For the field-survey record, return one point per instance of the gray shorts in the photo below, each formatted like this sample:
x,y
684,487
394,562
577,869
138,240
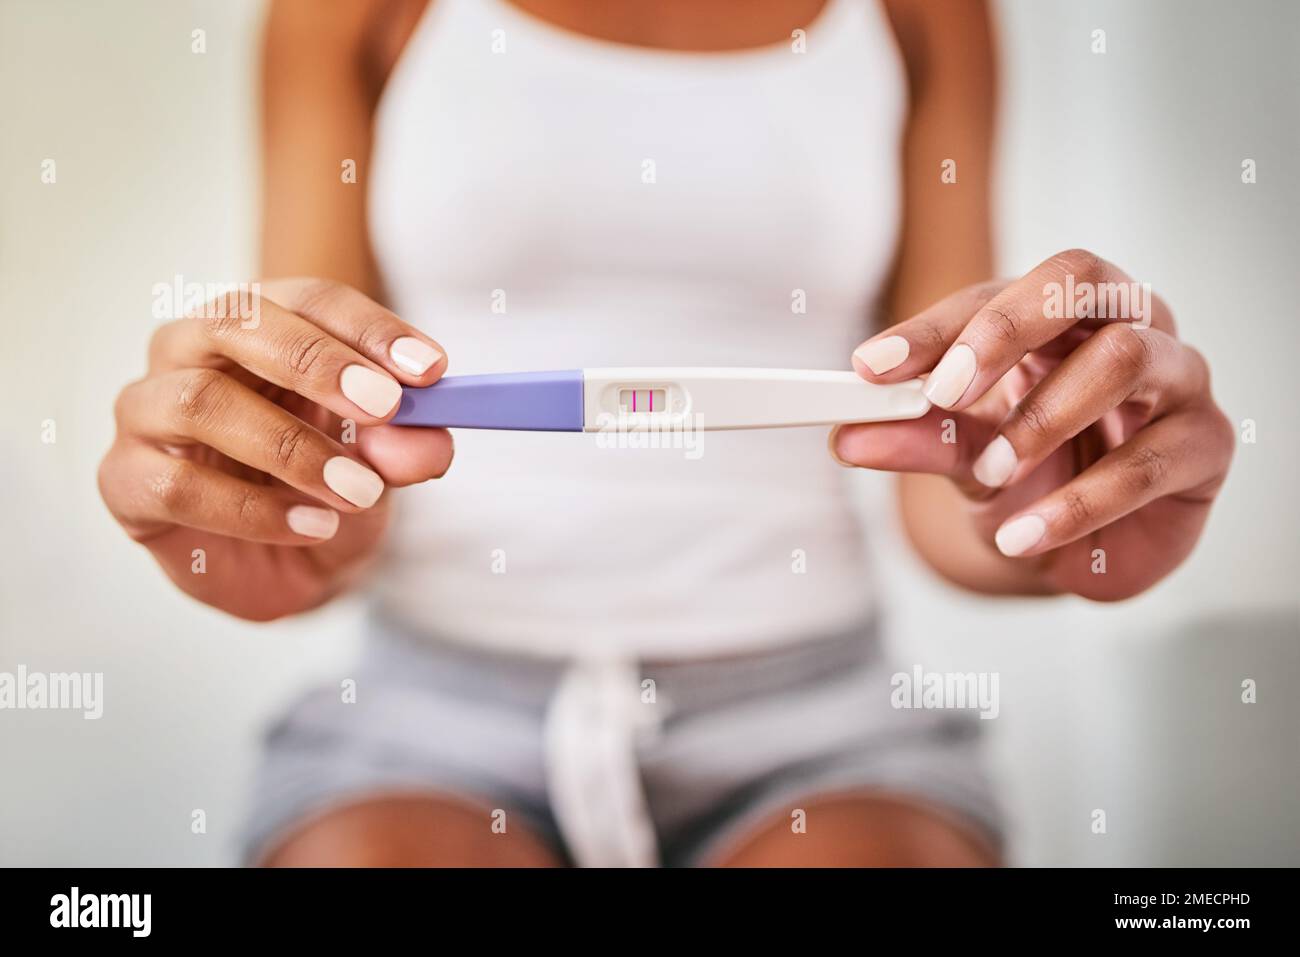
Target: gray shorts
x,y
657,763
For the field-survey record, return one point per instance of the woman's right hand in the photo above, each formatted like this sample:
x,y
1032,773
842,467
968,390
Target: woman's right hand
x,y
252,458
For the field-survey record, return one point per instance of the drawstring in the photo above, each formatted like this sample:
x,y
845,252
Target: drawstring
x,y
592,726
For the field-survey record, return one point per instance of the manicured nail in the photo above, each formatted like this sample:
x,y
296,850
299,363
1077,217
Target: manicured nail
x,y
881,355
413,355
372,391
951,377
1018,536
313,522
996,463
353,481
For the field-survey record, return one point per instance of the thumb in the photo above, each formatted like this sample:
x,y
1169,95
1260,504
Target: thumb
x,y
406,455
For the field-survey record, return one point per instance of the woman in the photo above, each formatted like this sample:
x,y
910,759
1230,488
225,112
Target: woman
x,y
603,656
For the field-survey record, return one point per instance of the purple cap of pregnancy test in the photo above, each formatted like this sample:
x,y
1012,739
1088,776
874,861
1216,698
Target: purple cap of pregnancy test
x,y
528,401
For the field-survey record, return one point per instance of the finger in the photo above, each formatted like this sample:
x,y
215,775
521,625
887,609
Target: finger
x,y
913,346
1030,313
1186,453
354,318
149,491
1118,363
211,408
938,443
405,456
285,349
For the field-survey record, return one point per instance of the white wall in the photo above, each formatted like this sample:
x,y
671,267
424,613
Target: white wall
x,y
1133,708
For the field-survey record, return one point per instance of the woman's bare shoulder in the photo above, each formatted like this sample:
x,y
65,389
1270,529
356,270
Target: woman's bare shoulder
x,y
928,30
368,35
324,66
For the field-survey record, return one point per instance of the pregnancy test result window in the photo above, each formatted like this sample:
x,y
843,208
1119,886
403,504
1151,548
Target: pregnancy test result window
x,y
641,400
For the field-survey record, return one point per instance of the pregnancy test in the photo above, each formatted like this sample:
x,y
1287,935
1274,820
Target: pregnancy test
x,y
593,400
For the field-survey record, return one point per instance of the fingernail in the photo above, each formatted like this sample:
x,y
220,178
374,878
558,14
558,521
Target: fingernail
x,y
832,443
313,522
881,355
353,481
451,438
1018,536
412,355
951,377
372,391
996,463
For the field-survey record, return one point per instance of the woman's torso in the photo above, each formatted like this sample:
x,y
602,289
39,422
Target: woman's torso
x,y
544,200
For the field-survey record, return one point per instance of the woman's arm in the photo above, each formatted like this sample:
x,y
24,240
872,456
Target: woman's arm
x,y
316,116
232,449
1074,444
947,244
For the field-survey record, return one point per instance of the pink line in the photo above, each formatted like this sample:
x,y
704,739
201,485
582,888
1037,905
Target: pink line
x,y
634,400
652,400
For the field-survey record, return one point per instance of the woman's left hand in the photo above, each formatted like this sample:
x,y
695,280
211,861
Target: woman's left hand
x,y
1080,429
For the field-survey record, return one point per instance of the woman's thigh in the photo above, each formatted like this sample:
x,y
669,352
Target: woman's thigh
x,y
859,831
409,831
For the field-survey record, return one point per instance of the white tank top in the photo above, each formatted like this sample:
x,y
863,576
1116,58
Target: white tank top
x,y
544,200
